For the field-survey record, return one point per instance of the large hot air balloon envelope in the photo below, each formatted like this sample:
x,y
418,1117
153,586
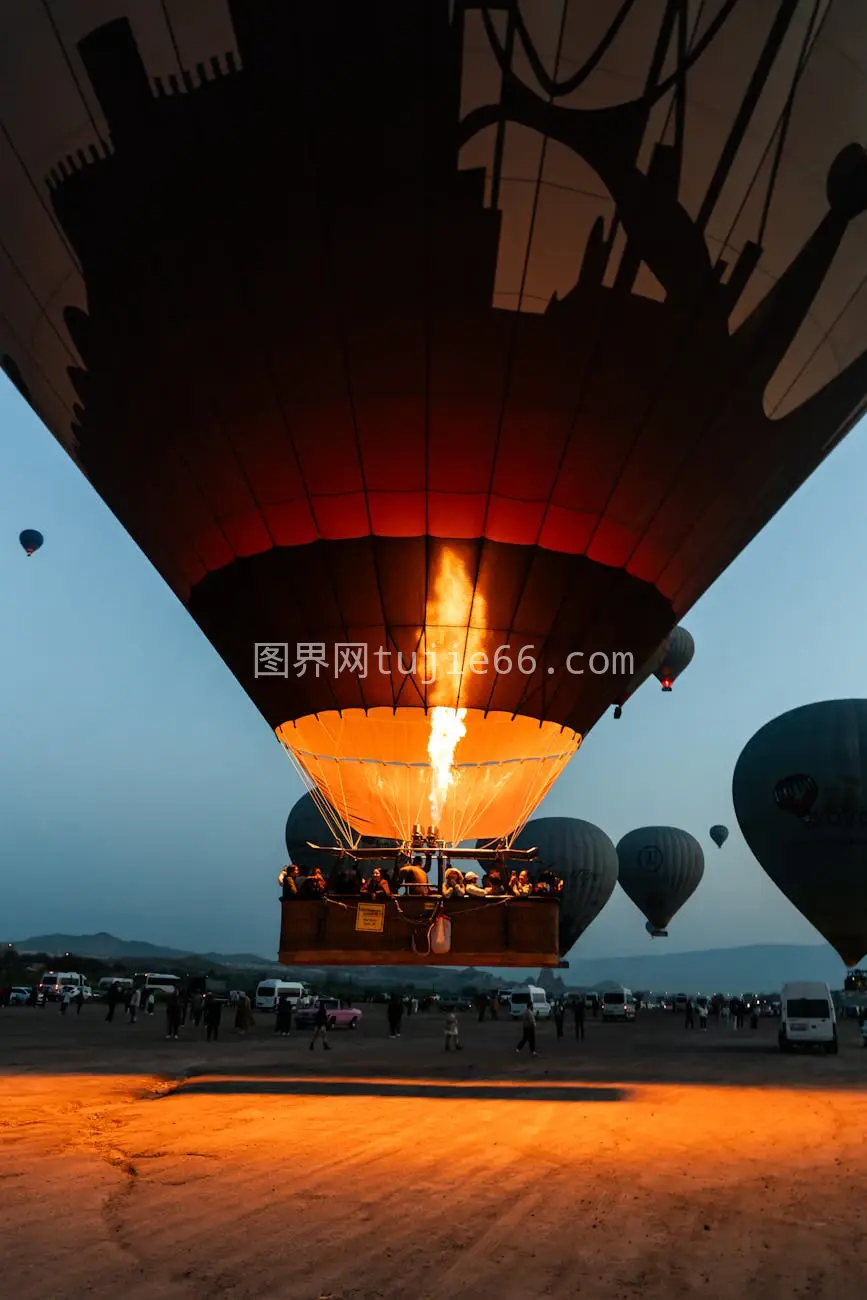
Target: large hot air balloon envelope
x,y
307,825
800,796
660,868
719,835
585,859
30,540
430,329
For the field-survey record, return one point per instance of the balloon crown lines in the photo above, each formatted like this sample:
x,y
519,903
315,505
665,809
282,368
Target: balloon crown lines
x,y
358,659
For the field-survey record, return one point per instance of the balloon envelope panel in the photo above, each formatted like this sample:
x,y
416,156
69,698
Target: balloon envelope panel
x,y
800,796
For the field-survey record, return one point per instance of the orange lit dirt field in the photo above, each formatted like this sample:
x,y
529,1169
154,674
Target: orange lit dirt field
x,y
648,1162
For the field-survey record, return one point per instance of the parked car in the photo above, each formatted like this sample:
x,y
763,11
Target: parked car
x,y
338,1017
74,989
19,997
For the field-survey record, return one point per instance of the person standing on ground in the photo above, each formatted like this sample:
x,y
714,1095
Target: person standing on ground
x,y
689,1022
113,995
529,1035
213,1011
173,1014
243,1014
133,1005
79,1001
559,1015
321,1029
452,1032
578,1013
702,1017
65,998
283,1019
395,1015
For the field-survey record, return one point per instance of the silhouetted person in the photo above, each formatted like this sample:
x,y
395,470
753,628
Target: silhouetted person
x,y
79,1001
395,1015
528,1022
213,1013
321,1028
559,1014
283,1019
112,1000
689,1022
578,1013
173,1014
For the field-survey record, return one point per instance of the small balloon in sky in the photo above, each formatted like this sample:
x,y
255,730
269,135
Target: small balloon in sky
x,y
719,835
31,540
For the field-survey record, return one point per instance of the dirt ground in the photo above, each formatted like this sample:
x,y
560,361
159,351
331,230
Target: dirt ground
x,y
648,1161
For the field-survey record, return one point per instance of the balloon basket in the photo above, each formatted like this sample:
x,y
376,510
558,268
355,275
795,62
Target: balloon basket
x,y
347,931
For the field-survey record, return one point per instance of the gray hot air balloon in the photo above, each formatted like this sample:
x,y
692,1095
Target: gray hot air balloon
x,y
666,664
719,835
679,650
585,858
800,795
305,825
660,868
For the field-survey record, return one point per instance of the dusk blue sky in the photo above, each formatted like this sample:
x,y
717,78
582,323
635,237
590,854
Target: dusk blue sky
x,y
142,793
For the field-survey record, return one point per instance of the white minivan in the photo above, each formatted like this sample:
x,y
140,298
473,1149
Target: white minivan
x,y
269,993
808,1017
618,1004
533,997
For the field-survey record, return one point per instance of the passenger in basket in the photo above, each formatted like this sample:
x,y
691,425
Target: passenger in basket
x,y
414,879
377,886
313,886
472,886
453,884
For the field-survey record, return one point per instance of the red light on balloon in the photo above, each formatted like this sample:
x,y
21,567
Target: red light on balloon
x,y
666,683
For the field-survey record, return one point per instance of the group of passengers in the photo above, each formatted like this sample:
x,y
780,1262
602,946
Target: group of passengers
x,y
411,878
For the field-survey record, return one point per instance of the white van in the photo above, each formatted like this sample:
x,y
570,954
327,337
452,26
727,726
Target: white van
x,y
531,996
269,993
618,1004
53,981
808,1017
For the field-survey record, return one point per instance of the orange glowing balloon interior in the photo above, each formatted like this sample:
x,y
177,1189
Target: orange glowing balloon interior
x,y
375,769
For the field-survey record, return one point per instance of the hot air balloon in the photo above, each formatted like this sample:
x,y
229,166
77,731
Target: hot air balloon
x,y
660,868
666,656
719,835
584,858
382,447
30,540
800,796
308,823
676,657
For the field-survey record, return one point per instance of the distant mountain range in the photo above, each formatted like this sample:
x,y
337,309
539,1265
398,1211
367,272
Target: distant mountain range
x,y
108,946
758,968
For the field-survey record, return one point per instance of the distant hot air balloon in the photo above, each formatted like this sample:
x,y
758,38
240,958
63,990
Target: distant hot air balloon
x,y
585,858
677,656
800,796
719,835
796,794
30,540
660,868
307,825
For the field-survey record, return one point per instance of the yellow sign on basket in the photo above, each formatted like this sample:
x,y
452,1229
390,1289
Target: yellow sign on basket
x,y
370,917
